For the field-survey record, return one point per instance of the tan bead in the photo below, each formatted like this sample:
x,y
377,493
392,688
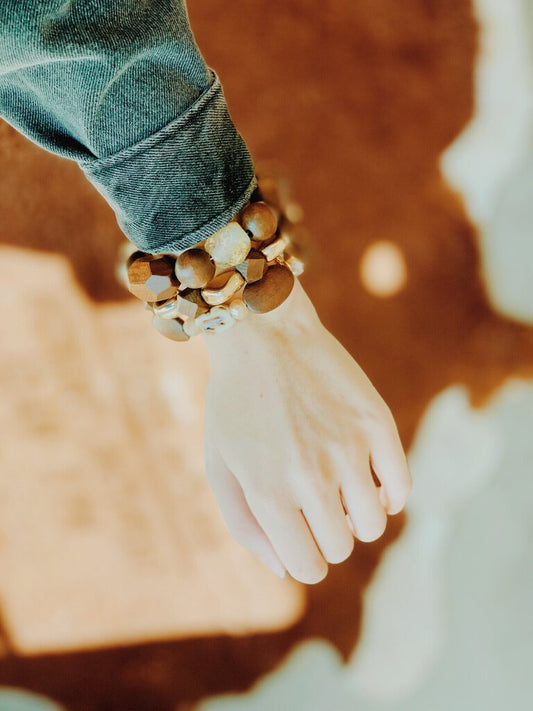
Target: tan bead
x,y
190,303
191,328
238,309
253,267
194,269
167,309
275,248
170,328
229,246
221,278
216,320
213,297
152,278
271,291
259,220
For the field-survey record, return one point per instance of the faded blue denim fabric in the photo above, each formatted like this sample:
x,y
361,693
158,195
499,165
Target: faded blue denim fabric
x,y
120,87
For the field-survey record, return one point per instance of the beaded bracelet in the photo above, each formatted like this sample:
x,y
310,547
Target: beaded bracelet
x,y
248,266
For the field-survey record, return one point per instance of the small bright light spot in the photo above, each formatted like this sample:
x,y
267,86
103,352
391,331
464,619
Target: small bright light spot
x,y
382,269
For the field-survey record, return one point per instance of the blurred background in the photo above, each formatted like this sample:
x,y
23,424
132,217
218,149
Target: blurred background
x,y
405,130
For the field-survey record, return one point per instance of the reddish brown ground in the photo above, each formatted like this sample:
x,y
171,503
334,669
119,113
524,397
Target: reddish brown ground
x,y
358,99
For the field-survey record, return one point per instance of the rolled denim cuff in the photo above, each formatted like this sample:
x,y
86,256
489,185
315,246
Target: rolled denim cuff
x,y
174,188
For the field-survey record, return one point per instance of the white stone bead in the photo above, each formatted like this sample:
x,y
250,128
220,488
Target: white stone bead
x,y
238,309
275,248
216,320
229,246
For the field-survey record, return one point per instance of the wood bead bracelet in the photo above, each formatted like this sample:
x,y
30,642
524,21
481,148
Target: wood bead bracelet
x,y
248,266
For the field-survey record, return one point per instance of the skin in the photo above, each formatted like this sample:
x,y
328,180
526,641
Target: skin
x,y
293,430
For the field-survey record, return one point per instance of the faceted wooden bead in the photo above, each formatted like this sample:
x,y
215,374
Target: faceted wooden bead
x,y
275,248
194,268
253,267
214,297
238,309
216,320
167,309
190,303
259,220
170,328
229,246
152,278
270,291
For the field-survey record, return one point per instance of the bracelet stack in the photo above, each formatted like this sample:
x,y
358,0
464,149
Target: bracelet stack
x,y
247,267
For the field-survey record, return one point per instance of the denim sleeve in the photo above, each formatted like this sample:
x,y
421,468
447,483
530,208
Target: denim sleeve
x,y
120,87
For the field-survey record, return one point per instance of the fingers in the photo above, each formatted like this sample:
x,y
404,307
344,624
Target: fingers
x,y
239,519
362,499
288,532
389,463
325,517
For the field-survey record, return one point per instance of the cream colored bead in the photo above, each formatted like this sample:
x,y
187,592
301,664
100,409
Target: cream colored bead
x,y
167,309
229,246
295,265
238,309
275,248
191,328
214,297
216,320
170,328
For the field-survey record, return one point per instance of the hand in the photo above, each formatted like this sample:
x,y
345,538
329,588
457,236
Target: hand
x,y
293,430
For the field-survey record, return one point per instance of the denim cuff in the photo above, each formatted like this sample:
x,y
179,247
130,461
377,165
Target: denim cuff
x,y
176,187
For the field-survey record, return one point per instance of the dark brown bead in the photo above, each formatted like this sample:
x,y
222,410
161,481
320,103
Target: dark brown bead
x,y
270,291
259,220
152,278
194,268
253,267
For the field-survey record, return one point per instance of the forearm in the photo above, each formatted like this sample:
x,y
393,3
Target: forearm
x,y
122,88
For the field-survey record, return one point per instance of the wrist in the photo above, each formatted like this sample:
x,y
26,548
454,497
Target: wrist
x,y
290,320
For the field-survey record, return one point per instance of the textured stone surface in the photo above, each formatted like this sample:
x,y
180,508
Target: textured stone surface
x,y
228,246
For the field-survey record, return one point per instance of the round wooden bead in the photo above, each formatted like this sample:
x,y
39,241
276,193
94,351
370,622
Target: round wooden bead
x,y
152,278
259,220
238,309
229,246
271,291
170,328
194,268
191,328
